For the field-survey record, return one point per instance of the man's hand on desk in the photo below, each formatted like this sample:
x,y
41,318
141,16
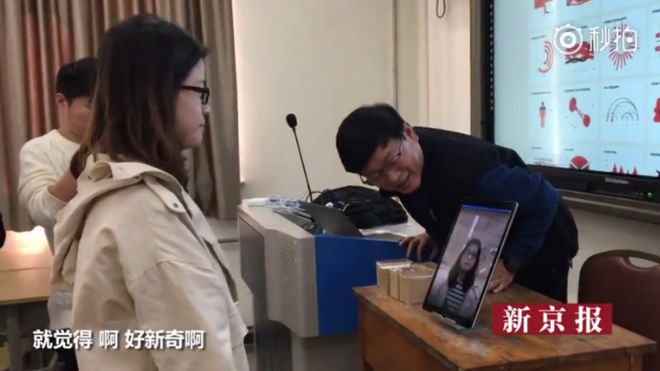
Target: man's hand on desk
x,y
420,243
502,278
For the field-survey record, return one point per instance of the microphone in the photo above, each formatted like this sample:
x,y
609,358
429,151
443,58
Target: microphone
x,y
293,122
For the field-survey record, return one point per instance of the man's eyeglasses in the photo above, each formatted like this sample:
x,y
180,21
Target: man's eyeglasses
x,y
378,176
204,91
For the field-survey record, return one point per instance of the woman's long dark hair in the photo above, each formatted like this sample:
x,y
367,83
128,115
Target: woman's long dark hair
x,y
468,278
142,62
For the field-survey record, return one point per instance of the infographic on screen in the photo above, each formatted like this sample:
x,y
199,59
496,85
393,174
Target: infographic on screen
x,y
577,83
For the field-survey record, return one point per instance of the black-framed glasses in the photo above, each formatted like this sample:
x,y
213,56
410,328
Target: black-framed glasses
x,y
204,91
378,176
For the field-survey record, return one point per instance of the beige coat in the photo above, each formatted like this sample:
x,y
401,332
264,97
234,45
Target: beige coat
x,y
143,257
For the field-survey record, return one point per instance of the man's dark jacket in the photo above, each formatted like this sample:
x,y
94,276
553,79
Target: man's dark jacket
x,y
543,238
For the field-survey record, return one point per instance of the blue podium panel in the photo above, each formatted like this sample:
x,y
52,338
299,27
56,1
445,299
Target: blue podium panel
x,y
341,264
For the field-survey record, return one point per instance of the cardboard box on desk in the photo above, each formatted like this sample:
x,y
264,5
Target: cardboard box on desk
x,y
384,268
430,265
404,280
414,282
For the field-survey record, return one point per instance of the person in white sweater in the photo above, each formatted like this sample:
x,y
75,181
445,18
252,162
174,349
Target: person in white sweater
x,y
45,182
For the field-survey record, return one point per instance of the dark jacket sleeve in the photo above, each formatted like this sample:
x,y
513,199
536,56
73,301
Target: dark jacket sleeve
x,y
537,204
437,226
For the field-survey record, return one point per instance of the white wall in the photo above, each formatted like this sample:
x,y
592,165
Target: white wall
x,y
318,59
433,79
449,66
412,82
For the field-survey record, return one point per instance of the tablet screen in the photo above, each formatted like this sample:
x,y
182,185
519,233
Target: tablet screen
x,y
475,243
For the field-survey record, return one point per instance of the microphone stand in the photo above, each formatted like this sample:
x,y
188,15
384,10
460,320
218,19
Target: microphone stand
x,y
309,189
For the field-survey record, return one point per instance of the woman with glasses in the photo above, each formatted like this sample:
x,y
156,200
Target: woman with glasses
x,y
458,293
132,244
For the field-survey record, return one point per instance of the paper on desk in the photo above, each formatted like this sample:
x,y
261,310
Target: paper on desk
x,y
383,234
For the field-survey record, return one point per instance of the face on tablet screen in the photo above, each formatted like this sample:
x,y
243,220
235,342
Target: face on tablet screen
x,y
463,273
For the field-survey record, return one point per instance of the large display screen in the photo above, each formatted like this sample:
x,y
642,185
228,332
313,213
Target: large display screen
x,y
577,83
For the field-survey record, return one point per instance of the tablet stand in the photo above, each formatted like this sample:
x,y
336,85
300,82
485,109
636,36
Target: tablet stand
x,y
460,329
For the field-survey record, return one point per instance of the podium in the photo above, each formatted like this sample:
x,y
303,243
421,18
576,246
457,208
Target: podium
x,y
305,313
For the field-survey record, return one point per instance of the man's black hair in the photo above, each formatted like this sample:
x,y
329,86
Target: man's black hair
x,y
363,131
76,79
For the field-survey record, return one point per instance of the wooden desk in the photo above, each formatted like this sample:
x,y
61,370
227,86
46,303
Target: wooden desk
x,y
24,286
25,266
25,250
396,336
